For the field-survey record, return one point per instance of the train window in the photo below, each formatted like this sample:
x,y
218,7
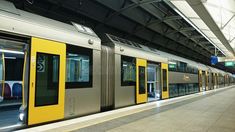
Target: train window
x,y
47,79
172,67
164,76
14,68
128,71
78,67
189,69
182,66
142,80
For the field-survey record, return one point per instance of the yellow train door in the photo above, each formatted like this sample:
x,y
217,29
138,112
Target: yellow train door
x,y
47,81
165,87
207,80
141,81
200,80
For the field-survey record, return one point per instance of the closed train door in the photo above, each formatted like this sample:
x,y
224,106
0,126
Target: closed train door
x,y
141,81
207,80
47,81
200,80
165,87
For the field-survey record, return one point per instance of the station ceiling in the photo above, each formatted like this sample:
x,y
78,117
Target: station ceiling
x,y
212,18
150,22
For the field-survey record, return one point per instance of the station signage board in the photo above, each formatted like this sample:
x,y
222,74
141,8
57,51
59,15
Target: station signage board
x,y
229,63
214,60
172,65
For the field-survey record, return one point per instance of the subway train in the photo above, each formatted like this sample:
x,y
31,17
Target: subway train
x,y
63,71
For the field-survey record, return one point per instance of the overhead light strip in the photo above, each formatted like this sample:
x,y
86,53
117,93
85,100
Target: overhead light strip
x,y
11,51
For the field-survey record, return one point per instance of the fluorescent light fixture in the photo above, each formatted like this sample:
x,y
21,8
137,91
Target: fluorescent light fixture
x,y
11,51
171,62
74,55
10,57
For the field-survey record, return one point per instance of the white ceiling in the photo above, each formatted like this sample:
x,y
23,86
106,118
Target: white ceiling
x,y
221,11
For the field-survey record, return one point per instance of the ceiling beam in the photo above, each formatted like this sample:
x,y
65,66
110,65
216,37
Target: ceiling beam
x,y
202,12
170,18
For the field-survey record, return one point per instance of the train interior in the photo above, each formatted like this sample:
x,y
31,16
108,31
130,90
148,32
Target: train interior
x,y
11,77
153,83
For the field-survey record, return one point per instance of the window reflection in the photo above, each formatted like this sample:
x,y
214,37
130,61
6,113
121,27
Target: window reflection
x,y
77,68
128,75
79,65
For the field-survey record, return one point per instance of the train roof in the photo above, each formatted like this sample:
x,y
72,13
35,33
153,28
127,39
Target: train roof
x,y
130,48
24,23
168,56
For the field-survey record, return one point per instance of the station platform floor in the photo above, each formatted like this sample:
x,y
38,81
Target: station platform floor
x,y
210,111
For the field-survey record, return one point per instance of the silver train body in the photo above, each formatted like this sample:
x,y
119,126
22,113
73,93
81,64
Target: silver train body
x,y
107,90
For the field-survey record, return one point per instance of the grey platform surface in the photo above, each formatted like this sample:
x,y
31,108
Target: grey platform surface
x,y
214,112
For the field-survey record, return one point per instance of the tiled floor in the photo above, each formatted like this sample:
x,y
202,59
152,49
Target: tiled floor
x,y
211,113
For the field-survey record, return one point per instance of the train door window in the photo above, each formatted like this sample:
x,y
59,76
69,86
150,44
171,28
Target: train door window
x,y
47,79
78,67
141,80
128,71
164,75
212,80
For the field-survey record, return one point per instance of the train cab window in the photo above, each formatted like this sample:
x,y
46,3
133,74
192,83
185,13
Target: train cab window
x,y
47,79
78,67
128,71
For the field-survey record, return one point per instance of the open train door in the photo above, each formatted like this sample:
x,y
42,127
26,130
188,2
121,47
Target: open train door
x,y
141,81
165,87
47,81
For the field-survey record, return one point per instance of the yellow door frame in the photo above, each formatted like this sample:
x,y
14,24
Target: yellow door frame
x,y
3,74
23,79
165,91
41,114
141,98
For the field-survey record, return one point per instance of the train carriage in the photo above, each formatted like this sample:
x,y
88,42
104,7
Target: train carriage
x,y
136,74
52,71
61,68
